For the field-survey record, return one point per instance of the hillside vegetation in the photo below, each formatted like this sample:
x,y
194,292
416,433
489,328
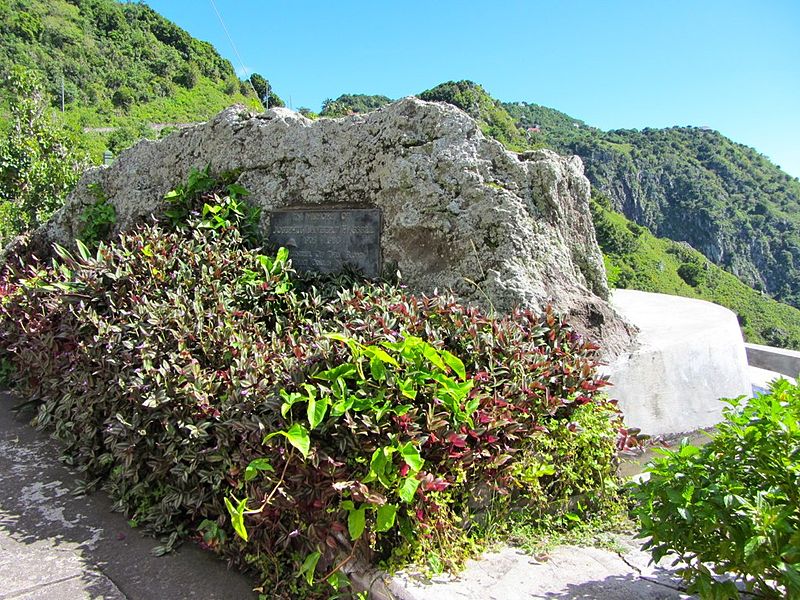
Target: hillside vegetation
x,y
123,66
691,184
636,259
348,104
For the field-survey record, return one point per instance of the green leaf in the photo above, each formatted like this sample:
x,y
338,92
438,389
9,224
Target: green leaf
x,y
411,455
297,435
343,371
282,256
299,438
289,400
432,354
374,352
316,411
472,405
83,251
407,388
408,489
338,337
688,450
377,368
752,545
341,406
354,346
454,363
385,517
378,464
237,516
259,464
338,580
309,566
356,522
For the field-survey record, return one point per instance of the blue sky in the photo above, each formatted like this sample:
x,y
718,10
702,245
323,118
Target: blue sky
x,y
731,65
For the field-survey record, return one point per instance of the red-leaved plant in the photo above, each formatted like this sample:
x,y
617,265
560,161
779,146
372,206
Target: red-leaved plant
x,y
210,390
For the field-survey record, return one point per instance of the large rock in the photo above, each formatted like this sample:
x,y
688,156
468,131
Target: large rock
x,y
459,211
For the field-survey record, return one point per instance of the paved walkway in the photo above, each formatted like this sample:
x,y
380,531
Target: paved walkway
x,y
58,546
567,572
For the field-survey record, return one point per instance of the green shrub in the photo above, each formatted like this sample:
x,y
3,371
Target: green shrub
x,y
215,395
97,219
733,504
38,166
692,273
613,238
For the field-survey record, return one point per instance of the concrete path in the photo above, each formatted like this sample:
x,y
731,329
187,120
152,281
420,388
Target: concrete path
x,y
567,572
58,546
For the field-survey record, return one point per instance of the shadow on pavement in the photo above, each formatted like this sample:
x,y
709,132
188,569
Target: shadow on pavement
x,y
56,545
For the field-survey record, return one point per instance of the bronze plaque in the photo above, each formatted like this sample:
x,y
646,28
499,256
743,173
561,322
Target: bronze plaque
x,y
326,240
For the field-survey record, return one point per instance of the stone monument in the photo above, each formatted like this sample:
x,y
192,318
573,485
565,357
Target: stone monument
x,y
413,187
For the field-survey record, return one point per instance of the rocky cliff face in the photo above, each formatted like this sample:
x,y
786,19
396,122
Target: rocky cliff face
x,y
459,211
696,186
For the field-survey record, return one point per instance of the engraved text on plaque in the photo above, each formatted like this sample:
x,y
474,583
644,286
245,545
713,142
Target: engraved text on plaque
x,y
326,240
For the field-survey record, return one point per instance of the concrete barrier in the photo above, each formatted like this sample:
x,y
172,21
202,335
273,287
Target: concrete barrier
x,y
690,354
780,360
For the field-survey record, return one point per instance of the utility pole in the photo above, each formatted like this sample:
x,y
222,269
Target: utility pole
x,y
62,92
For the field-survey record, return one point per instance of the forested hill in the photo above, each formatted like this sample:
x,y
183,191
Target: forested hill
x,y
122,64
690,184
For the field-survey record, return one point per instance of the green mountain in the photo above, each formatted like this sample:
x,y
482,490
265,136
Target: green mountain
x,y
122,65
636,259
690,184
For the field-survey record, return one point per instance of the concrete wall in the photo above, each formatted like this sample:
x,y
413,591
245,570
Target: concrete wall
x,y
780,360
690,354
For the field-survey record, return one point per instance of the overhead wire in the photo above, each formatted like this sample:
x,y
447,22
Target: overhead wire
x,y
244,69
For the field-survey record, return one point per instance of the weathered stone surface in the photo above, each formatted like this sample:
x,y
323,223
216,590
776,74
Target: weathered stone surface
x,y
459,211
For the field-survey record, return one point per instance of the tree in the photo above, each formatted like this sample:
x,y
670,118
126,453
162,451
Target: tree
x,y
262,88
38,166
264,91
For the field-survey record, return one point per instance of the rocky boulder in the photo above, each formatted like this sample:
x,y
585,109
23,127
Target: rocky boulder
x,y
459,212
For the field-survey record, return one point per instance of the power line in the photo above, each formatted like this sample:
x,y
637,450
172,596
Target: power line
x,y
235,51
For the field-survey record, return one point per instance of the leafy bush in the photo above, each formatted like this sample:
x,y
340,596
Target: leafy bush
x,y
97,219
216,395
733,504
693,273
612,237
37,164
